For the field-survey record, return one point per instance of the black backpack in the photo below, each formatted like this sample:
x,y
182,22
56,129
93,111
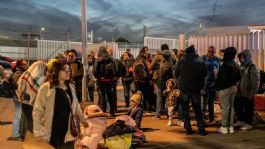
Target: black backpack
x,y
7,88
165,70
261,89
108,68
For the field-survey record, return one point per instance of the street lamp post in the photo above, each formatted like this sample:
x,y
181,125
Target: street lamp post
x,y
41,32
84,51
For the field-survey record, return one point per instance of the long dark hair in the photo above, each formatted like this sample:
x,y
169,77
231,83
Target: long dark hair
x,y
53,74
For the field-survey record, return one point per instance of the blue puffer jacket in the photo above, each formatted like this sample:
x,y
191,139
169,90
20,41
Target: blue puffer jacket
x,y
137,115
211,64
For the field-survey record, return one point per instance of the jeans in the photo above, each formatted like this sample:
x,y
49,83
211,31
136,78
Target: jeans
x,y
244,108
78,87
227,98
208,100
196,105
145,88
106,92
16,118
160,100
180,111
127,89
91,93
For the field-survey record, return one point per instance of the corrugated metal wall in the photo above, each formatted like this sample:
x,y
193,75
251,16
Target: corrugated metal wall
x,y
255,41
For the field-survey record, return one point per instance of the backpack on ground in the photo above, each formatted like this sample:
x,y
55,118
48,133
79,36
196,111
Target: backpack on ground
x,y
139,71
165,70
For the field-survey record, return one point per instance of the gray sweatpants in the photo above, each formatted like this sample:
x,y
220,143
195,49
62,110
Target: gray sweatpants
x,y
227,98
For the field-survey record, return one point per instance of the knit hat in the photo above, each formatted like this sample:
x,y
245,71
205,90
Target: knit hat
x,y
137,97
127,119
93,111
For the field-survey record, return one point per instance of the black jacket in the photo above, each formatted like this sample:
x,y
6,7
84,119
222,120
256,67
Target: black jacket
x,y
128,75
190,73
228,75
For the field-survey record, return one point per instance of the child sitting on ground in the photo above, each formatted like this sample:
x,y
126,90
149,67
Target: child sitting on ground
x,y
171,94
135,110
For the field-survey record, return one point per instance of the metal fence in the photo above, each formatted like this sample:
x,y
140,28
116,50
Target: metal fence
x,y
155,43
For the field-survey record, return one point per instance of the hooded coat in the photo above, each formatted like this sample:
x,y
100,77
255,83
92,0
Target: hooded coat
x,y
229,73
250,76
190,71
30,82
171,95
164,54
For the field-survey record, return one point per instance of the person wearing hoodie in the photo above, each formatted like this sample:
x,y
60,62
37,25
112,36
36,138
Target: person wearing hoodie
x,y
227,78
105,71
190,72
247,88
171,94
161,57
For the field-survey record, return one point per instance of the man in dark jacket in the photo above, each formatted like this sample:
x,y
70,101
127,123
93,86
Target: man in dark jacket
x,y
104,70
165,54
190,73
248,86
77,72
227,79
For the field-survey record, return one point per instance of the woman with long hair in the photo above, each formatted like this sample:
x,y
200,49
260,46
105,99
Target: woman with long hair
x,y
55,101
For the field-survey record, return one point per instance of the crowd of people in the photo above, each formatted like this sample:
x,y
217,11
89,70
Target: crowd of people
x,y
47,96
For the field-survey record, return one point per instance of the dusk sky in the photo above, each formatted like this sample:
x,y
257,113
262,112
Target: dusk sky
x,y
163,18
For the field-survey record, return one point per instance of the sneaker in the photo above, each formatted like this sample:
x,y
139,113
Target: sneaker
x,y
231,129
170,123
189,132
202,132
238,124
157,117
246,127
13,138
223,130
181,124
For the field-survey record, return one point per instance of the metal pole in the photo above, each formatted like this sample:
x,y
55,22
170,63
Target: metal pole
x,y
84,51
29,42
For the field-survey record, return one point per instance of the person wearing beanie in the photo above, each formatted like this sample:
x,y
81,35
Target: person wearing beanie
x,y
136,111
190,73
161,58
171,94
227,78
248,87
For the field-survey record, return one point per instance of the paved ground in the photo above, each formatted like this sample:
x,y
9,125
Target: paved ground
x,y
158,134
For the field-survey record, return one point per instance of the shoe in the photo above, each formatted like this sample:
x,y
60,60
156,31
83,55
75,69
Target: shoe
x,y
189,132
238,124
157,117
246,127
231,129
203,132
14,138
149,113
223,130
170,123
